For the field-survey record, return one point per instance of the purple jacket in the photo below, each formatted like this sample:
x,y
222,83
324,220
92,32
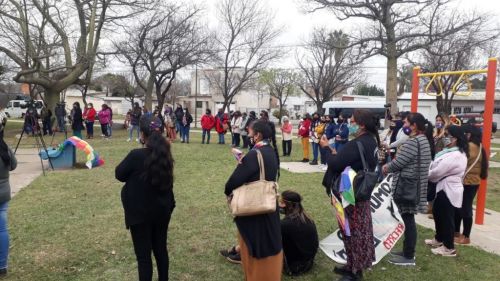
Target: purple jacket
x,y
104,116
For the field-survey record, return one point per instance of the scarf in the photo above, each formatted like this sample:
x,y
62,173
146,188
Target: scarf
x,y
260,144
446,150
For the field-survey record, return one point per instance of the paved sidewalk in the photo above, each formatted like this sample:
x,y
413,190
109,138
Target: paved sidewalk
x,y
299,167
28,169
483,236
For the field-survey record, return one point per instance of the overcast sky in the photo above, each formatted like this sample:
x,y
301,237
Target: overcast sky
x,y
298,24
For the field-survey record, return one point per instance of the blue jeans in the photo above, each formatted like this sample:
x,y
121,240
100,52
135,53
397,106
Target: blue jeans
x,y
221,138
185,133
205,133
90,128
60,124
178,127
131,131
110,129
4,235
315,148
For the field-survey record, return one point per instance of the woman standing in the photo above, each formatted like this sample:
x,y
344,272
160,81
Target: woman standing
x,y
304,128
447,170
8,163
235,128
89,116
77,120
104,118
259,235
359,246
405,165
244,133
314,139
286,132
341,132
187,119
220,125
148,198
439,131
477,169
134,122
207,123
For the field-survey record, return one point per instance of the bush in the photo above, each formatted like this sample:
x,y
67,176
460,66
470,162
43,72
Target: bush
x,y
276,113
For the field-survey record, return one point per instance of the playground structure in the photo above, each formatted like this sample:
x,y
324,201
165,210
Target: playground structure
x,y
64,156
491,73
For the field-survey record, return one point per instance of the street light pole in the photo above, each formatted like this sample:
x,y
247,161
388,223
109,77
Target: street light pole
x,y
196,97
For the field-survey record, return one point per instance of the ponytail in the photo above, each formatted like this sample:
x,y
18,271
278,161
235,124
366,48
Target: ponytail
x,y
484,165
429,134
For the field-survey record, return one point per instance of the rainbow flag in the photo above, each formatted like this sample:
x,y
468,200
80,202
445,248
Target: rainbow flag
x,y
93,159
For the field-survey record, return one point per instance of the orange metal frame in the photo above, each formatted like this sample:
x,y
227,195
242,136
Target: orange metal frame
x,y
489,102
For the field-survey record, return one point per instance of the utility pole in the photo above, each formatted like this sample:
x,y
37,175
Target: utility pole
x,y
196,97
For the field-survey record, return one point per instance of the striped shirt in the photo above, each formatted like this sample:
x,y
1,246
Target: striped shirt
x,y
405,164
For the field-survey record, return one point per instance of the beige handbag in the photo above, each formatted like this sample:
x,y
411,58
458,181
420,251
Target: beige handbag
x,y
255,198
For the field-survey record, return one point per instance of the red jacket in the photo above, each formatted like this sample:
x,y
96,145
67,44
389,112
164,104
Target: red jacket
x,y
89,114
219,124
207,122
304,128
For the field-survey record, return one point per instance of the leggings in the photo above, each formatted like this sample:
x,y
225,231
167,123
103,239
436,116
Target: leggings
x,y
444,219
149,237
465,213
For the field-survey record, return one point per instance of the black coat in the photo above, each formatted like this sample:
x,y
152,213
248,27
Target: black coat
x,y
349,156
142,202
77,119
262,233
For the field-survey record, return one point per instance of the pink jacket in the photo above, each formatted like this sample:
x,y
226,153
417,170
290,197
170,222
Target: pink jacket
x,y
447,170
104,116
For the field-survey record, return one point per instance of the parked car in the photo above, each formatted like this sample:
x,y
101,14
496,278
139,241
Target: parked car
x,y
476,119
17,108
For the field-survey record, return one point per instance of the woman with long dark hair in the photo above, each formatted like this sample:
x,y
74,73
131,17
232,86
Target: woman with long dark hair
x,y
405,165
447,170
148,198
359,245
477,169
77,120
8,163
299,234
442,123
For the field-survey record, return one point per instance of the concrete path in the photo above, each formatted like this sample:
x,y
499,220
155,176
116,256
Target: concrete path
x,y
483,236
299,167
28,169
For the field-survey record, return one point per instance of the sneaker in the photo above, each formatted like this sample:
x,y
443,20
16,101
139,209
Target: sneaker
x,y
445,252
320,166
433,242
325,167
402,261
137,140
3,273
226,253
236,258
128,140
304,160
399,254
314,162
462,241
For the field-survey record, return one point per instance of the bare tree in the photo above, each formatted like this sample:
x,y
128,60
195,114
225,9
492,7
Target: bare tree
x,y
53,43
244,40
465,49
329,67
281,85
167,41
398,27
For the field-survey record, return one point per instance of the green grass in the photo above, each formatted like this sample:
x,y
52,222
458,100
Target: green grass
x,y
69,225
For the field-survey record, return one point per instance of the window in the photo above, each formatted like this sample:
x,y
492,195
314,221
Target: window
x,y
199,104
468,109
496,110
16,104
296,107
457,110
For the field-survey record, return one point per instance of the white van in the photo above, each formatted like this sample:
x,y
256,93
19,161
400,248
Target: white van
x,y
336,108
17,108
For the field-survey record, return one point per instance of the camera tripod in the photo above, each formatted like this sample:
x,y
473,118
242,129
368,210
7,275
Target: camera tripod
x,y
32,121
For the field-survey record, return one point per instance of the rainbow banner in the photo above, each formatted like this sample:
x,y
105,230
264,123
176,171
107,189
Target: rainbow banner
x,y
93,159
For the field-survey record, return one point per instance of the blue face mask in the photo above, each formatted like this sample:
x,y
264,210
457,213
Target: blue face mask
x,y
353,129
407,130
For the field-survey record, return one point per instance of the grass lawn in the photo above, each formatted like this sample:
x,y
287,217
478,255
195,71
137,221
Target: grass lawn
x,y
69,225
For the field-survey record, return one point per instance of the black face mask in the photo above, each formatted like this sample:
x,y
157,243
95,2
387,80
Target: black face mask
x,y
282,211
207,113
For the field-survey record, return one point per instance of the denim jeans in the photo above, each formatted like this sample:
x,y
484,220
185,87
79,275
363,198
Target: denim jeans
x,y
131,131
110,130
205,133
60,124
4,235
221,138
236,140
315,148
185,133
90,128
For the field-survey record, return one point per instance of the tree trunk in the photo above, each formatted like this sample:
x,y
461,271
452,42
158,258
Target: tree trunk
x,y
440,104
319,107
392,81
148,97
51,98
281,111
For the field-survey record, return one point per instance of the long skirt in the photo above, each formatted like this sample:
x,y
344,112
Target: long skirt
x,y
266,269
359,246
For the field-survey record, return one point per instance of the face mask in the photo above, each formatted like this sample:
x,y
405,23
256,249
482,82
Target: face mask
x,y
340,121
446,141
392,127
282,210
439,125
207,113
398,123
407,130
353,129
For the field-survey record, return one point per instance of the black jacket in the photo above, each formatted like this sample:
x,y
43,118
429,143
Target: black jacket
x,y
77,119
349,156
300,241
142,202
179,113
262,233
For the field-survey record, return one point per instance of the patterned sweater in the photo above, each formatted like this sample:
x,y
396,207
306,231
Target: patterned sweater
x,y
405,164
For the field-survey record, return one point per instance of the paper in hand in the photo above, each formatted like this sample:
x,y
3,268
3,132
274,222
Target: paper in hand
x,y
238,154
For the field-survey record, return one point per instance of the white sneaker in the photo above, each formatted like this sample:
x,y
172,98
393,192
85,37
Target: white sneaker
x,y
433,242
445,252
128,140
325,168
321,166
137,140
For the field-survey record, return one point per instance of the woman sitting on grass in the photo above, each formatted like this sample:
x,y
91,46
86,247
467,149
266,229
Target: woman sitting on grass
x,y
148,198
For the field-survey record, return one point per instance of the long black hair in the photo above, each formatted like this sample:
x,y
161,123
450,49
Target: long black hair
x,y
476,138
293,206
159,164
458,133
4,151
423,126
370,121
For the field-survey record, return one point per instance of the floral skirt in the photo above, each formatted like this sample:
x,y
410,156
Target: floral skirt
x,y
359,246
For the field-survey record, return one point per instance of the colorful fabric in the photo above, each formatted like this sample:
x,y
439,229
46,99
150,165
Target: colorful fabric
x,y
341,218
93,159
346,187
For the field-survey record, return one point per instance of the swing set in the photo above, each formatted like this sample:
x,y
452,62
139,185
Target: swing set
x,y
491,73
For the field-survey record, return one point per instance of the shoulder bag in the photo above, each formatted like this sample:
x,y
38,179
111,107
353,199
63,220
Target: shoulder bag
x,y
407,189
365,180
255,198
